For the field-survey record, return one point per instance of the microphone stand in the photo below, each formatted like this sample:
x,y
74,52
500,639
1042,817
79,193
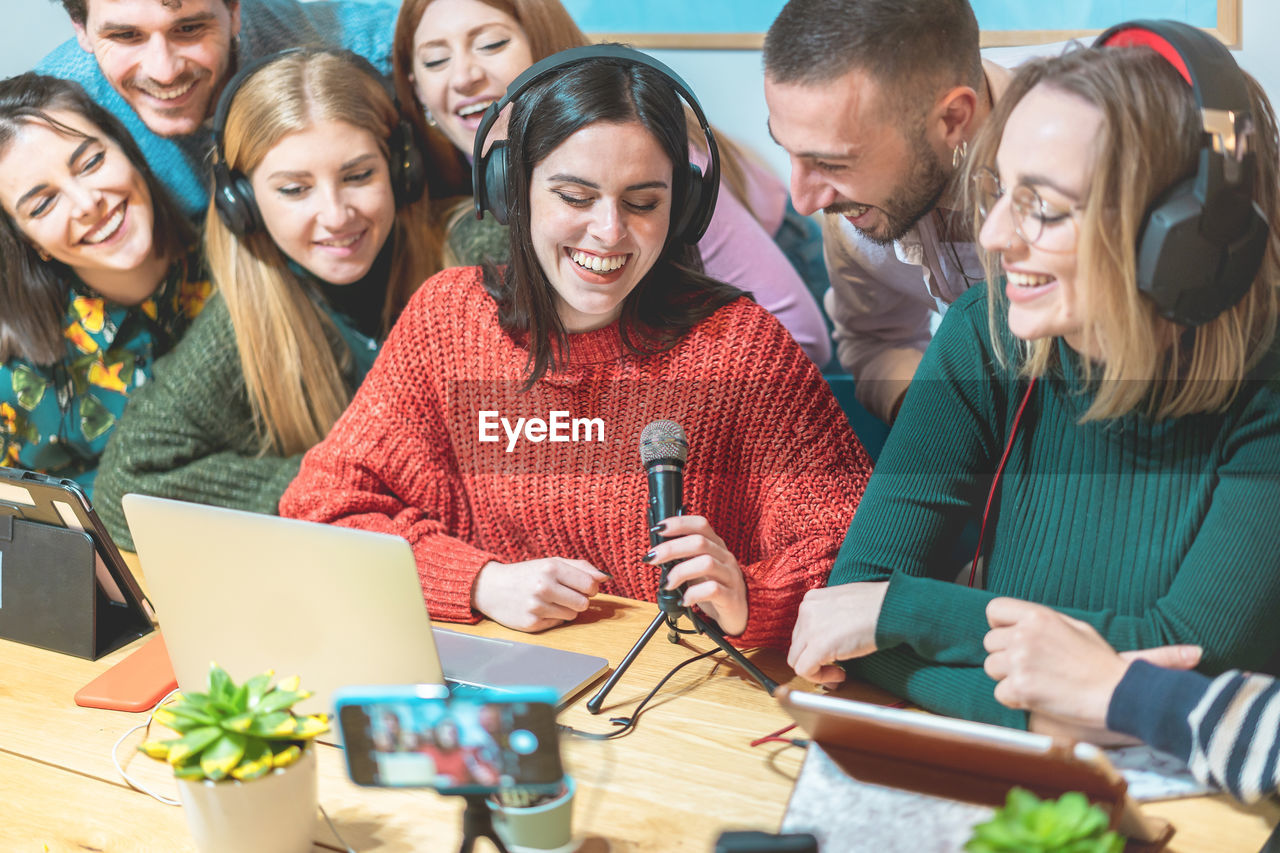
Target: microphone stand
x,y
669,611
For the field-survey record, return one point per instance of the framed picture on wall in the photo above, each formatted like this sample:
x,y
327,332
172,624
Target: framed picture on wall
x,y
741,24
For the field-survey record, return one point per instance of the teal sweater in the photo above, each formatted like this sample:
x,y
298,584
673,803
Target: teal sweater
x,y
188,434
1153,531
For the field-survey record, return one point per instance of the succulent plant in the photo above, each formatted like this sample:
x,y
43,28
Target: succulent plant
x,y
1028,824
240,731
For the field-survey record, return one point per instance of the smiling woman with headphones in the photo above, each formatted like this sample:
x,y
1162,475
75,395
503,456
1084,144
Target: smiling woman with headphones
x,y
498,430
318,234
1110,407
453,58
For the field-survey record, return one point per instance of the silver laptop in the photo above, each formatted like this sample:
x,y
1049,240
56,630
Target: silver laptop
x,y
332,605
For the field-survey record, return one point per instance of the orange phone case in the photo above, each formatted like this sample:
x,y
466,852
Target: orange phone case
x,y
134,684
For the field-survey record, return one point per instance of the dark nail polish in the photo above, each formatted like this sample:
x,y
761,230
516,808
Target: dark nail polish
x,y
660,527
649,557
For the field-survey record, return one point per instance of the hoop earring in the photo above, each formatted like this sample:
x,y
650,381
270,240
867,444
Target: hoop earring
x,y
959,153
44,256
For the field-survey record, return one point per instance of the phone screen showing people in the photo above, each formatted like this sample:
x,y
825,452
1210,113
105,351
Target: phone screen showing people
x,y
478,743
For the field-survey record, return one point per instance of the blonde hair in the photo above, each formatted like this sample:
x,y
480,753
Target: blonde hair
x,y
284,338
1150,140
549,28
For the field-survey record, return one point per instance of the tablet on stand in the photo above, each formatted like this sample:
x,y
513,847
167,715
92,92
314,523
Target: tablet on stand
x,y
63,583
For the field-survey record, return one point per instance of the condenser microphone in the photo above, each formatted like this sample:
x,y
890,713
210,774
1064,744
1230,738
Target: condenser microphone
x,y
663,450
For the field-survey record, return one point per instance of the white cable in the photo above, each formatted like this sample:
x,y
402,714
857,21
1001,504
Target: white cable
x,y
335,832
115,757
169,801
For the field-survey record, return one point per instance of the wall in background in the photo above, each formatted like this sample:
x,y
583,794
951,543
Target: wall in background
x,y
728,82
30,34
721,77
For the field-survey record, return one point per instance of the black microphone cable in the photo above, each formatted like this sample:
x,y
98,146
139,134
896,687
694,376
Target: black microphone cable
x,y
628,724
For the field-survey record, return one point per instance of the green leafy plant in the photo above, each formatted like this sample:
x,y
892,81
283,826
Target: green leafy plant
x,y
240,731
1028,824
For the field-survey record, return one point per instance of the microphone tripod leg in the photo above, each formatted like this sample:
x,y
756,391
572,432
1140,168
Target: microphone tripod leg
x,y
703,626
713,631
594,703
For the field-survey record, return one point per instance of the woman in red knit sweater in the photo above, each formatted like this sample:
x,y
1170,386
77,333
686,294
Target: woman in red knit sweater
x,y
497,431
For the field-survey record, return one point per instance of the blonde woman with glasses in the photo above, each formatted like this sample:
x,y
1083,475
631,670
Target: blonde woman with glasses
x,y
1125,466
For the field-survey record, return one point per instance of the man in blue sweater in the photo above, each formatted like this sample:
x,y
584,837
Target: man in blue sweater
x,y
159,65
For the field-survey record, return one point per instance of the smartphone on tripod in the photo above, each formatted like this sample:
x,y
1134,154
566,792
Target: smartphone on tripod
x,y
476,742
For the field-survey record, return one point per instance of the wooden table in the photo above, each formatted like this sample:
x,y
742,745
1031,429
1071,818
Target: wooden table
x,y
685,775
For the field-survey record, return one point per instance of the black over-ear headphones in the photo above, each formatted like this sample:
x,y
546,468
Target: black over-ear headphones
x,y
232,192
489,172
1202,241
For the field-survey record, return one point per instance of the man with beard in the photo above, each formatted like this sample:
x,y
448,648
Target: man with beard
x,y
159,65
875,101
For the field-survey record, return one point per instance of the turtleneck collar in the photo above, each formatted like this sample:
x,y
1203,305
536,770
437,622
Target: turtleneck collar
x,y
595,347
362,300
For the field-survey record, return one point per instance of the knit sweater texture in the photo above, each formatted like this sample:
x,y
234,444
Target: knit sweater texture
x,y
266,27
1153,531
189,434
772,462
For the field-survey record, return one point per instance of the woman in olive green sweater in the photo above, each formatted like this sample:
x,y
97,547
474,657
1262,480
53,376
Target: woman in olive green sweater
x,y
1142,478
188,434
316,237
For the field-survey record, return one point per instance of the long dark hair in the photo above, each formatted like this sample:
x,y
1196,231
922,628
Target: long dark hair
x,y
34,292
675,295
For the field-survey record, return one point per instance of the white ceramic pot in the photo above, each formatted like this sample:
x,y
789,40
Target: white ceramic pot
x,y
273,814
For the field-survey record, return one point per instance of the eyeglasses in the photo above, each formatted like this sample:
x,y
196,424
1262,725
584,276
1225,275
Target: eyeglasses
x,y
1032,216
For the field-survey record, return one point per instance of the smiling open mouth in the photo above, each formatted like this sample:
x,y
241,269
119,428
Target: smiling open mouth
x,y
343,242
595,263
473,109
850,209
167,93
1022,279
106,229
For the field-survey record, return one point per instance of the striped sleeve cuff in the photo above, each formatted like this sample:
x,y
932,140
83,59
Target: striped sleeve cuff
x,y
1234,730
1152,704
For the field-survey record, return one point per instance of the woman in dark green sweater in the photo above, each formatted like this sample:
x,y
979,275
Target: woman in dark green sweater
x,y
1142,479
316,238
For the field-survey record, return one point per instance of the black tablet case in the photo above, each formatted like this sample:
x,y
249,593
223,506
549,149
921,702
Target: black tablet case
x,y
49,596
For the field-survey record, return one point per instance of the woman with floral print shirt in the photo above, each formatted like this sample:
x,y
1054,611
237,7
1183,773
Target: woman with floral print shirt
x,y
97,277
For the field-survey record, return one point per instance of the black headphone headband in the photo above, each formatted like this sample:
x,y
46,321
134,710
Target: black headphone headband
x,y
233,195
249,69
489,196
1203,240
